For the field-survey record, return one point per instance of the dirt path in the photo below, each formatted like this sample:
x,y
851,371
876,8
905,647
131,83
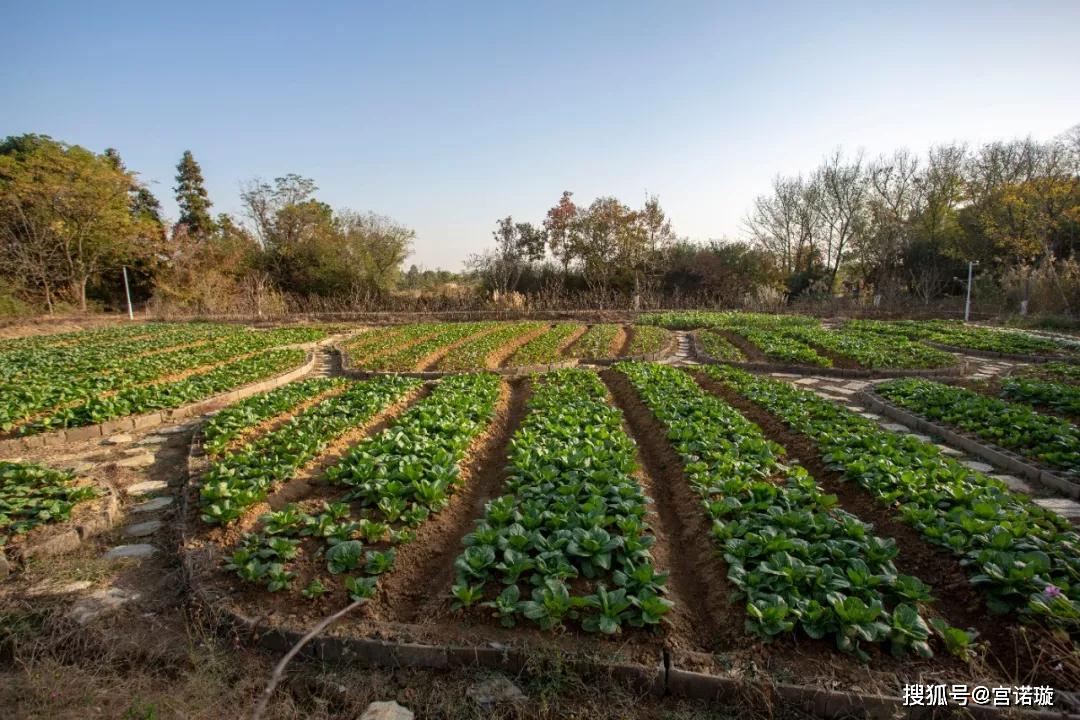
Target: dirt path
x,y
424,569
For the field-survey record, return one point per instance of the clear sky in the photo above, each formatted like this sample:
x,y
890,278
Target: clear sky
x,y
449,115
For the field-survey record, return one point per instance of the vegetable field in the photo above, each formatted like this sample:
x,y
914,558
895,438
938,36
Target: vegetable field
x,y
595,503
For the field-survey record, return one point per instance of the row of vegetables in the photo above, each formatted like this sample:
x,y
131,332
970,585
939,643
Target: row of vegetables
x,y
32,495
393,481
569,540
797,560
1025,558
477,352
873,344
1014,426
34,396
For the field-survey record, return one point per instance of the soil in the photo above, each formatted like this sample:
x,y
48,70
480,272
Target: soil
x,y
838,360
424,568
959,602
273,423
432,359
562,352
623,340
501,357
750,350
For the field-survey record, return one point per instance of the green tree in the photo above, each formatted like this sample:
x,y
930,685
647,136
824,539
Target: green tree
x,y
72,206
192,198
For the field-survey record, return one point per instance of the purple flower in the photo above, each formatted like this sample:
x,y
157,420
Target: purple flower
x,y
1052,591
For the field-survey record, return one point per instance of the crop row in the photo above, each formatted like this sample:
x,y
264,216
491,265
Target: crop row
x,y
473,354
1056,395
1025,558
716,346
964,336
573,512
796,559
235,420
33,395
1014,426
158,396
408,358
647,339
384,339
397,478
545,348
31,495
597,342
873,351
88,357
244,478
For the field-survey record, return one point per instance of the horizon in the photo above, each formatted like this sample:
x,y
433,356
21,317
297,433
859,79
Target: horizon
x,y
447,120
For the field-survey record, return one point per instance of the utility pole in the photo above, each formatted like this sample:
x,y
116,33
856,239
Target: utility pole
x,y
127,291
967,303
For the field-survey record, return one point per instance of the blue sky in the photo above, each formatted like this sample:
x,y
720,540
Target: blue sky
x,y
447,116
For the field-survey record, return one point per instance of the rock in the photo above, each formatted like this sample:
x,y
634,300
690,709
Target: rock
x,y
74,587
946,450
977,466
153,440
895,427
386,710
153,505
173,430
494,691
99,604
5,566
141,460
1068,509
919,437
138,551
146,487
118,439
80,466
1015,484
143,529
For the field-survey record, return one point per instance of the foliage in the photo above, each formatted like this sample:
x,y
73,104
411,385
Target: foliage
x,y
597,342
573,512
1015,426
32,495
546,347
1025,558
798,561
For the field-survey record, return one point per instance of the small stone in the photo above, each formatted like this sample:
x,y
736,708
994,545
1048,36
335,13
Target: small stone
x,y
121,552
143,529
99,604
853,408
386,710
142,460
74,587
895,427
146,487
806,381
118,439
870,415
494,691
153,504
173,430
1068,509
80,466
920,437
946,450
977,466
1015,484
153,440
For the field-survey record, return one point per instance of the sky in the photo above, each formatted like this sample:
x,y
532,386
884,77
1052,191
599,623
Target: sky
x,y
448,116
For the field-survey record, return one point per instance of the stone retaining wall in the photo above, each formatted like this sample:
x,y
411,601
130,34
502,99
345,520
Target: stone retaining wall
x,y
999,457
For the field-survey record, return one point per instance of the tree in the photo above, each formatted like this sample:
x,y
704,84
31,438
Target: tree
x,y
563,227
192,198
70,207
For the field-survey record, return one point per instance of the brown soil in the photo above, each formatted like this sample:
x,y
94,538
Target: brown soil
x,y
424,568
838,360
564,348
273,423
698,581
361,360
750,350
501,357
623,340
959,602
304,482
432,359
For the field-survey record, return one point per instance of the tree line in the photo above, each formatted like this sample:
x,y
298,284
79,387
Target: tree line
x,y
905,224
70,219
